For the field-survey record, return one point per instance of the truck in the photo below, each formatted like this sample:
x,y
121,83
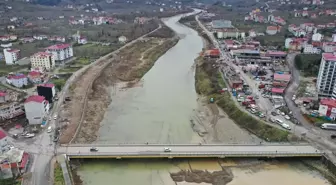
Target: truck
x,y
328,126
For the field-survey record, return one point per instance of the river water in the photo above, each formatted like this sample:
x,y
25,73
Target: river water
x,y
158,111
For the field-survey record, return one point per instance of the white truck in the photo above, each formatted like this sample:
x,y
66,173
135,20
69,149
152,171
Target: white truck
x,y
328,126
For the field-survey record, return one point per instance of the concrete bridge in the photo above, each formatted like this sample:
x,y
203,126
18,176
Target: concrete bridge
x,y
189,151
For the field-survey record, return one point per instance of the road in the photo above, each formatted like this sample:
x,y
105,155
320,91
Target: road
x,y
315,136
42,147
230,150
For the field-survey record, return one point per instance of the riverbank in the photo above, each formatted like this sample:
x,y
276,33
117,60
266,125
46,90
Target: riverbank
x,y
131,65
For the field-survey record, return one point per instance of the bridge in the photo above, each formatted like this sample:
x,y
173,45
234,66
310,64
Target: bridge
x,y
188,151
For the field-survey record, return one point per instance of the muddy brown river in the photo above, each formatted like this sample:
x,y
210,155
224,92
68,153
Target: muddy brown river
x,y
158,110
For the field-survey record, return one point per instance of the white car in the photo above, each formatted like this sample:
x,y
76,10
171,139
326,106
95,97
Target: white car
x,y
55,117
167,150
287,117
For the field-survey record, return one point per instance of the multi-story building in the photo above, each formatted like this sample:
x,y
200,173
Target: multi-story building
x,y
36,108
61,52
35,77
43,60
11,110
48,91
11,55
18,80
327,75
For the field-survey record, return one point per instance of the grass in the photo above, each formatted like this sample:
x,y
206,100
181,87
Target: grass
x,y
5,69
93,50
58,175
69,69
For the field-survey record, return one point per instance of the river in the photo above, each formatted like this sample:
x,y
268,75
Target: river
x,y
159,111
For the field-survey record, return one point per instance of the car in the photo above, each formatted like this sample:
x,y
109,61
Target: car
x,y
49,129
29,135
333,136
55,117
93,149
272,120
167,149
273,113
287,117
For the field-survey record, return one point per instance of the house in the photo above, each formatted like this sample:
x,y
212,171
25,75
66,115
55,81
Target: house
x,y
11,110
277,91
317,37
60,52
82,40
43,60
122,39
13,162
327,107
3,141
11,55
37,107
329,47
212,53
48,91
310,49
18,80
35,77
252,33
235,82
271,30
220,24
305,13
4,97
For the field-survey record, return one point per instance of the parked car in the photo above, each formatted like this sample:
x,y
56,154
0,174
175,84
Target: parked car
x,y
272,120
274,113
287,117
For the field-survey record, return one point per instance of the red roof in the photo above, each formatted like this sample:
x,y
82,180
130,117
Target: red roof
x,y
2,134
24,160
276,53
18,76
329,57
278,90
3,94
34,73
13,50
47,85
272,28
35,98
42,54
328,102
282,77
59,46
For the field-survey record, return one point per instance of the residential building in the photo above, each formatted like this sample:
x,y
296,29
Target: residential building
x,y
11,55
276,54
35,77
317,37
9,111
329,47
271,30
36,107
310,49
327,75
327,108
281,80
18,80
252,33
48,91
220,24
61,52
334,37
3,141
13,162
43,60
4,97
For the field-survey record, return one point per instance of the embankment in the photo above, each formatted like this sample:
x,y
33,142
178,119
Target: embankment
x,y
130,66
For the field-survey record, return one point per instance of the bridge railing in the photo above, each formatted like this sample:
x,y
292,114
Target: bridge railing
x,y
162,144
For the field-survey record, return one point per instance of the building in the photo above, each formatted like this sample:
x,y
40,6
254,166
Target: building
x,y
13,162
271,30
212,53
122,39
327,75
281,80
317,37
18,80
277,91
276,54
61,52
36,107
48,91
220,24
327,108
3,141
329,47
35,77
4,97
11,55
43,60
9,111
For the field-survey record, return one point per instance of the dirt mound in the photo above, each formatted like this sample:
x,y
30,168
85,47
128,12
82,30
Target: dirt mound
x,y
198,176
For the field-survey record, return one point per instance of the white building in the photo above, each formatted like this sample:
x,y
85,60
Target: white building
x,y
43,60
122,39
3,141
334,37
18,80
327,75
317,37
287,42
11,55
310,49
36,107
61,52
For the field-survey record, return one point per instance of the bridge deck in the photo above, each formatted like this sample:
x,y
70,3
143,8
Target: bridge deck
x,y
148,151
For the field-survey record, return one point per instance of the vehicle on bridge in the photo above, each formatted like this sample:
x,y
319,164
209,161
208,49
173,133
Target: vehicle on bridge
x,y
167,150
93,149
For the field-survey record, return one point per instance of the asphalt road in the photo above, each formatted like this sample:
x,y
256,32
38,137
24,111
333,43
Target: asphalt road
x,y
201,149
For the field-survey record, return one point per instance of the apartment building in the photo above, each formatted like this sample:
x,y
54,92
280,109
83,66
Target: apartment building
x,y
43,60
11,55
60,52
326,78
11,110
36,108
18,80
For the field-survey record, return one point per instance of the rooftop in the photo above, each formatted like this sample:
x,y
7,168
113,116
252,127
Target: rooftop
x,y
59,46
282,77
276,53
14,155
47,85
17,76
35,98
329,56
328,102
278,90
272,28
34,73
2,94
2,134
217,24
42,54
